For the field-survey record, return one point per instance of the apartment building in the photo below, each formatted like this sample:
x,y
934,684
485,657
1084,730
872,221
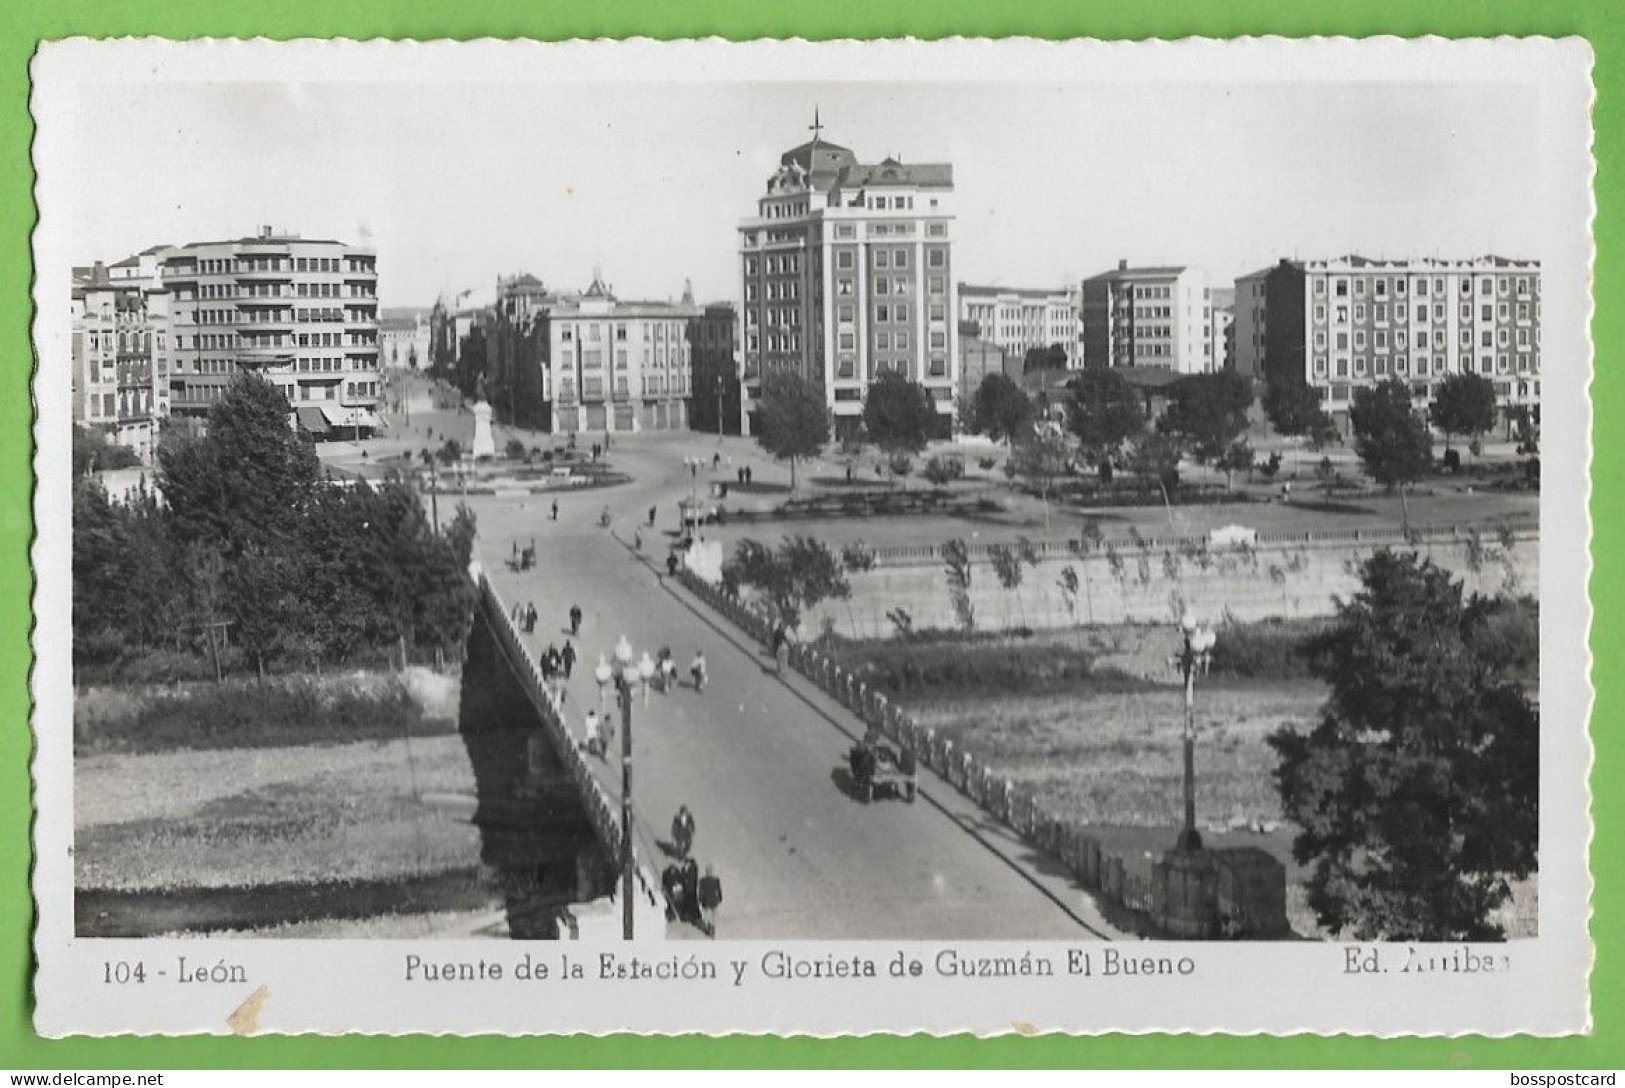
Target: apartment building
x,y
1154,316
303,313
1247,329
119,356
1346,322
846,273
1020,319
1222,306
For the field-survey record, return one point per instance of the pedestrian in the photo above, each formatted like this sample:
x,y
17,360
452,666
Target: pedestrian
x,y
567,659
530,618
691,889
555,509
575,620
668,670
682,831
848,473
546,665
651,517
697,670
750,475
781,647
739,475
671,564
716,461
709,896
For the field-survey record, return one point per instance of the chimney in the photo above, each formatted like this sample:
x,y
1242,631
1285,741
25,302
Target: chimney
x,y
1122,265
265,231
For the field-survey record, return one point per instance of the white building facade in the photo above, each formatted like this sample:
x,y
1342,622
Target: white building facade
x,y
1158,316
1020,320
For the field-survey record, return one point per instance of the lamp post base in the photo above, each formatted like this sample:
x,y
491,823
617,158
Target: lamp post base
x,y
1190,840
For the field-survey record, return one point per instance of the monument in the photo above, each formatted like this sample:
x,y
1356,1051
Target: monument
x,y
484,444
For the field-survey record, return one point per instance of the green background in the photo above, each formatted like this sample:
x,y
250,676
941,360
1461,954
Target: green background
x,y
24,24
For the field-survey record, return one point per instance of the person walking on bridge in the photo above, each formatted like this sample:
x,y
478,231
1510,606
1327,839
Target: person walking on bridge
x,y
575,620
567,659
682,831
709,895
555,509
651,517
697,671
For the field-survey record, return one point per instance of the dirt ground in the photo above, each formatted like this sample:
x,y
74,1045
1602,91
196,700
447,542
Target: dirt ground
x,y
243,818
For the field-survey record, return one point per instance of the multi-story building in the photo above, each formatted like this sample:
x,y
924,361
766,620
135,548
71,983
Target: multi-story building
x,y
119,357
1247,330
1222,305
403,339
713,354
847,273
1020,319
617,366
1348,322
301,312
1153,316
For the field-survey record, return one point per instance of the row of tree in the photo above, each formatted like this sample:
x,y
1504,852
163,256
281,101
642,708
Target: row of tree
x,y
252,545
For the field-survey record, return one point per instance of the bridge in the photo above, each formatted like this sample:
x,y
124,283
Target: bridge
x,y
757,756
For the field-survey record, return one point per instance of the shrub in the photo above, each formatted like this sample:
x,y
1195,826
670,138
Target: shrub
x,y
264,714
514,450
1268,650
946,664
986,463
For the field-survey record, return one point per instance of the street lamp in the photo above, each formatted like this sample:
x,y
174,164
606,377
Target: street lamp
x,y
626,674
1194,657
694,464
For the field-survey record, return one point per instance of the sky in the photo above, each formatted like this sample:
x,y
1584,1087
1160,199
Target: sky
x,y
457,183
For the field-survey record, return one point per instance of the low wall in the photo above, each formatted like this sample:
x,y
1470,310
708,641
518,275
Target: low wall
x,y
1154,580
1107,873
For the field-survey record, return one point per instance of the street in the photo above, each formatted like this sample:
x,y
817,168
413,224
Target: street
x,y
755,757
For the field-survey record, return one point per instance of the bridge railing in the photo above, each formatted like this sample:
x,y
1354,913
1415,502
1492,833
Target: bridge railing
x,y
602,809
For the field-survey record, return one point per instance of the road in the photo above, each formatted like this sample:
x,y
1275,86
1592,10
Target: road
x,y
755,755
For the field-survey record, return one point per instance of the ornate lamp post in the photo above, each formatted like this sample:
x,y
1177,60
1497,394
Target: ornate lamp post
x,y
1194,657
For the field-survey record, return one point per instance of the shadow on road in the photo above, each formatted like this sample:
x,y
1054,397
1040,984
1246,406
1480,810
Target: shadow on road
x,y
842,777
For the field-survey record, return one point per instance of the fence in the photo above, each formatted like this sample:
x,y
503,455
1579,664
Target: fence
x,y
908,555
1102,870
602,810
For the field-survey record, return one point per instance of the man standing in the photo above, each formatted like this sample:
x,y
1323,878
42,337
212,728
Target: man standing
x,y
575,620
567,658
555,509
710,897
651,517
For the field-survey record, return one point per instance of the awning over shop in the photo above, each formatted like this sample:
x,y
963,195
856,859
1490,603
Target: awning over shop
x,y
312,420
342,418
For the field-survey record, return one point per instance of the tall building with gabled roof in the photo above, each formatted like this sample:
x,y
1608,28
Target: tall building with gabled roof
x,y
846,273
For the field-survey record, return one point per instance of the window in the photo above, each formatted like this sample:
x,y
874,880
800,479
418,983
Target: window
x,y
882,286
1320,286
902,341
845,341
1359,312
1359,288
843,259
1422,288
939,339
882,258
883,341
936,285
843,312
1341,288
900,258
1382,288
1359,366
843,287
882,313
937,258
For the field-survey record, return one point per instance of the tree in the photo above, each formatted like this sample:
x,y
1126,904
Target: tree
x,y
1208,411
899,415
1463,404
793,422
1238,458
1294,410
1327,474
956,571
1157,456
1008,561
798,576
1003,410
1417,791
1104,411
1038,461
248,480
1390,438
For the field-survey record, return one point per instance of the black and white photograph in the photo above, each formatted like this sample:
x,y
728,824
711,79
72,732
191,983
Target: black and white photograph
x,y
863,536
